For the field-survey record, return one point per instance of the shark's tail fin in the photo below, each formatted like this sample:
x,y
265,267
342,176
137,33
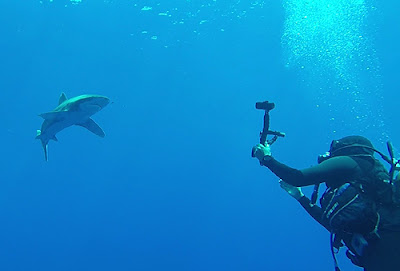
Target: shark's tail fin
x,y
45,150
44,143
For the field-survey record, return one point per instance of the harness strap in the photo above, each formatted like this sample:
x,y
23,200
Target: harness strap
x,y
376,228
333,252
338,211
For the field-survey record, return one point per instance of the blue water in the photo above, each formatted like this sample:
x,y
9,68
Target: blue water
x,y
172,186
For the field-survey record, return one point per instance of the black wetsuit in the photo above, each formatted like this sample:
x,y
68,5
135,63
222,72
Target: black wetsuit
x,y
381,255
334,172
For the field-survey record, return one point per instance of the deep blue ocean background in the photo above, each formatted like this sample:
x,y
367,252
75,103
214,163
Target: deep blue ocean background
x,y
172,186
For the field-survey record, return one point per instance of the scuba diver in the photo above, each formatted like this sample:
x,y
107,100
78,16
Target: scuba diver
x,y
361,206
361,203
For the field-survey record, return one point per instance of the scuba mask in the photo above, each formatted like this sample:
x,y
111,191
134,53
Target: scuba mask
x,y
348,146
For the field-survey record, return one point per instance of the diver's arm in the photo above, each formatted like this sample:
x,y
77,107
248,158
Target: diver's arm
x,y
332,170
314,210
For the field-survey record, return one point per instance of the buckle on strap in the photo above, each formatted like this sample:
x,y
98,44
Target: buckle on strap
x,y
374,232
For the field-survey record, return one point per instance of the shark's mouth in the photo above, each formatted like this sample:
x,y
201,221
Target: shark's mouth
x,y
91,108
98,107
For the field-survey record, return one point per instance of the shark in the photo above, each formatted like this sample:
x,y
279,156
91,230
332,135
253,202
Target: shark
x,y
74,111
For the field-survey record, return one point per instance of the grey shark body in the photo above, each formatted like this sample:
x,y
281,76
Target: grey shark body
x,y
74,111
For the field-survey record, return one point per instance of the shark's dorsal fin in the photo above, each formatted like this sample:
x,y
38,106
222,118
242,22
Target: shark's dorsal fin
x,y
93,127
62,99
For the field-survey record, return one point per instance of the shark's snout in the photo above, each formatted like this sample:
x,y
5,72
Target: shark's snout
x,y
94,104
101,101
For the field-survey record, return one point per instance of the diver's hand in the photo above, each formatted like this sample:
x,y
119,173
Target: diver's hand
x,y
294,191
260,151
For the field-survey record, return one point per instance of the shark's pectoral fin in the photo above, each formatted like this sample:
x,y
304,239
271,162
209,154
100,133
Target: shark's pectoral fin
x,y
93,127
62,99
58,115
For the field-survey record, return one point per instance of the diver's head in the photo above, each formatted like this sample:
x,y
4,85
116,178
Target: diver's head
x,y
350,146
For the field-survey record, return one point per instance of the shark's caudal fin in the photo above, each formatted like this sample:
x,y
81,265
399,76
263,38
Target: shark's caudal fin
x,y
45,150
62,99
93,127
44,144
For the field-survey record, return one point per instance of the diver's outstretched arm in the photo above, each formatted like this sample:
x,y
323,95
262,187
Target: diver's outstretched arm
x,y
314,210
